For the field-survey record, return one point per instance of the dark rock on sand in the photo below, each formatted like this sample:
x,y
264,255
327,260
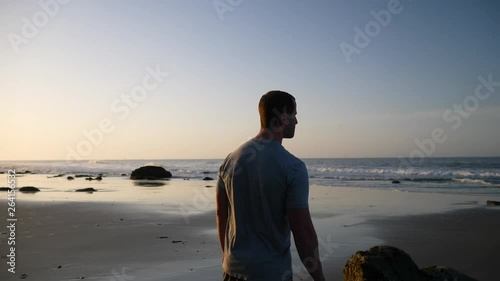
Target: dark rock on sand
x,y
492,203
438,273
208,179
82,176
99,178
124,175
391,263
150,173
89,178
395,181
29,189
70,178
4,189
56,176
381,263
88,189
208,186
178,241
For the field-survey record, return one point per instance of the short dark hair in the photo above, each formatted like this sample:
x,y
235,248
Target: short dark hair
x,y
273,103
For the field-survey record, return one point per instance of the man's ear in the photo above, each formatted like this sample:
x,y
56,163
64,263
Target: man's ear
x,y
284,118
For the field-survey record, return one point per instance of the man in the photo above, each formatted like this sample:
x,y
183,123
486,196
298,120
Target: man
x,y
262,195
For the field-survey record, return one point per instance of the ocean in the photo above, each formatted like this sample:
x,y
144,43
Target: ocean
x,y
477,175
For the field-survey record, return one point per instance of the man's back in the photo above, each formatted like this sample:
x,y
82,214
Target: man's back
x,y
261,180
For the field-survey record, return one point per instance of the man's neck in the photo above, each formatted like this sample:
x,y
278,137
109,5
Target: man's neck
x,y
268,134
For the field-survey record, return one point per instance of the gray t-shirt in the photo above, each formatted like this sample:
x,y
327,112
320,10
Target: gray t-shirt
x,y
261,180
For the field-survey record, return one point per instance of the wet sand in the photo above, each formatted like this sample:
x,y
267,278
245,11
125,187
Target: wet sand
x,y
466,240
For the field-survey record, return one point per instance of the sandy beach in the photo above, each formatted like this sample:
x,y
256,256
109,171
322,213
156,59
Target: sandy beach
x,y
117,240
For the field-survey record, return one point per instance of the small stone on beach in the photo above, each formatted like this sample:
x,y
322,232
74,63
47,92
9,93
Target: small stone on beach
x,y
88,189
29,189
492,203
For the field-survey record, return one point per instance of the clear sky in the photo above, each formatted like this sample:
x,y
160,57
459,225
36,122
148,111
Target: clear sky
x,y
73,77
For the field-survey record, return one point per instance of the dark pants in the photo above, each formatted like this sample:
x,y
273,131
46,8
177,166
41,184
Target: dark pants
x,y
227,277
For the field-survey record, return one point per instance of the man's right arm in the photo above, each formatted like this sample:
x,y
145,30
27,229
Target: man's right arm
x,y
306,241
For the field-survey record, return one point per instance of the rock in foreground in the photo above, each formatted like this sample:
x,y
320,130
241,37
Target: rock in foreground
x,y
150,173
382,263
435,273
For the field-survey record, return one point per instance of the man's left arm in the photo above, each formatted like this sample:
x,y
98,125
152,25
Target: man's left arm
x,y
221,212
